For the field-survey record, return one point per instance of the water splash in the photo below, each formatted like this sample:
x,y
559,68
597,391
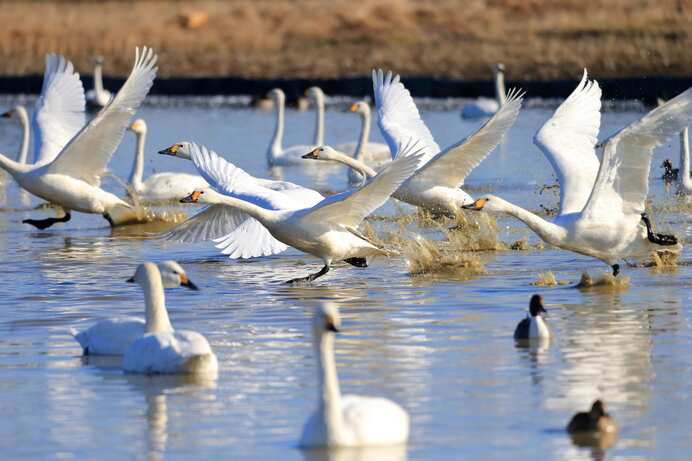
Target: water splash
x,y
603,280
548,279
423,257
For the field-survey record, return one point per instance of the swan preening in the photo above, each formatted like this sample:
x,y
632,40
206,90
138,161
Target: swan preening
x,y
601,207
346,420
113,335
98,97
162,349
326,230
533,326
160,186
68,175
436,184
486,107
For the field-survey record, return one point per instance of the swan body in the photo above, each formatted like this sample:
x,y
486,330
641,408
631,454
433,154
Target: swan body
x,y
71,179
436,184
162,349
160,186
230,228
98,97
347,420
326,230
601,206
112,336
276,154
486,107
533,326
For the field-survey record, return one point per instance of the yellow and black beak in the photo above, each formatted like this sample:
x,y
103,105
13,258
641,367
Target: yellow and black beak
x,y
476,206
192,198
184,281
353,108
314,154
329,325
7,114
133,127
169,151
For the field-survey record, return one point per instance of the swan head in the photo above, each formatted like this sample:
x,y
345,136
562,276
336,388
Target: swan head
x,y
326,319
97,60
276,94
499,68
486,203
17,112
361,107
172,275
321,153
314,92
193,197
180,150
536,305
139,126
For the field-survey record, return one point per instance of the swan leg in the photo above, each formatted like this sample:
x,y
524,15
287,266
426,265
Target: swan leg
x,y
109,219
46,223
358,262
310,277
660,239
616,269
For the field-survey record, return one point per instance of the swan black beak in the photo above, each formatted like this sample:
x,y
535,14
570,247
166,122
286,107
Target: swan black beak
x,y
130,280
314,155
170,150
475,206
192,198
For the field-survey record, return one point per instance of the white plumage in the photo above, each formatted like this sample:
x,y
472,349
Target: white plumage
x,y
277,155
486,107
98,97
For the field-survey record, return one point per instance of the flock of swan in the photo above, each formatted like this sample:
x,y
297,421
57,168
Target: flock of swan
x,y
601,213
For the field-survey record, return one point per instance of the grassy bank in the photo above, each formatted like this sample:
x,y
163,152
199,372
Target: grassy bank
x,y
536,39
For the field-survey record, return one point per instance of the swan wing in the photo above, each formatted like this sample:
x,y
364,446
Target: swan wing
x,y
450,167
110,336
212,222
249,240
568,140
398,116
59,113
374,420
351,207
623,179
303,195
87,155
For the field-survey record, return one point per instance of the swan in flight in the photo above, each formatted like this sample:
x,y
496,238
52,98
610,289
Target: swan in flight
x,y
71,179
162,349
326,230
533,326
160,186
486,107
316,94
601,207
276,154
98,97
111,336
346,420
229,227
436,185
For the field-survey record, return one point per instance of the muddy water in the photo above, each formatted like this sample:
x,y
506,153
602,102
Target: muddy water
x,y
438,342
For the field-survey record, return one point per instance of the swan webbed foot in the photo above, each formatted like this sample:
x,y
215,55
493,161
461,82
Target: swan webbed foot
x,y
46,223
358,262
310,277
654,237
616,269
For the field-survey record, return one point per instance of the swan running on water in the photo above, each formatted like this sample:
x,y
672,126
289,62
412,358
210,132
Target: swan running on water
x,y
71,179
601,207
162,349
326,230
347,420
113,335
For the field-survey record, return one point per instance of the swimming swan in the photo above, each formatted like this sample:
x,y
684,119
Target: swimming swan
x,y
436,185
276,154
533,326
347,420
326,230
113,335
160,186
98,97
601,208
162,349
71,180
230,227
486,107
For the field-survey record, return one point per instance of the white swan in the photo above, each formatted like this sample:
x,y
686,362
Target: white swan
x,y
533,326
601,208
113,335
347,420
162,349
229,227
160,186
486,107
317,95
58,114
71,180
684,183
276,154
436,185
326,230
98,97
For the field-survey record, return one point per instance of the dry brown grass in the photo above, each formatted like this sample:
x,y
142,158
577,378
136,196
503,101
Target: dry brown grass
x,y
537,39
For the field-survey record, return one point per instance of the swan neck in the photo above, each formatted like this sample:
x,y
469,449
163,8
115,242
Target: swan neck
x,y
364,135
319,125
261,214
357,165
329,404
98,82
500,93
154,302
547,231
275,147
24,148
14,168
684,172
138,164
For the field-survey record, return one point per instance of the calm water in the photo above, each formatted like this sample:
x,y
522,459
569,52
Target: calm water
x,y
439,344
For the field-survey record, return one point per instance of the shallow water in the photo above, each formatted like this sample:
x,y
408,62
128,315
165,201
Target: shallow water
x,y
440,344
